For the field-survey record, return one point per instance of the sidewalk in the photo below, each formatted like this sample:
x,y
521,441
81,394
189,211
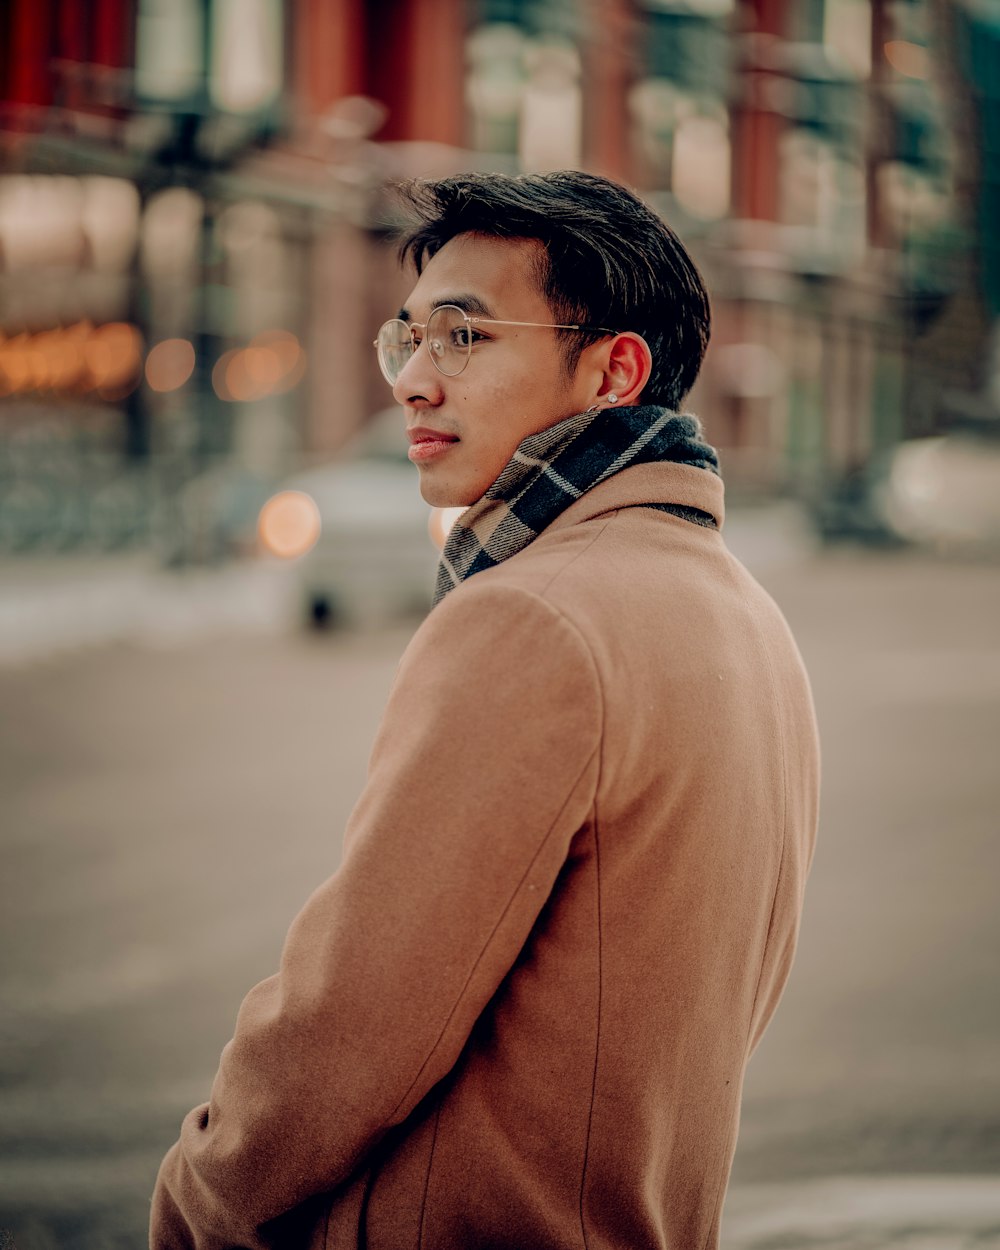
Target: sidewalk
x,y
64,603
865,1213
50,606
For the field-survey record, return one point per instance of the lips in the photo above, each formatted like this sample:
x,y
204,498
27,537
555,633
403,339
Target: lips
x,y
424,434
426,443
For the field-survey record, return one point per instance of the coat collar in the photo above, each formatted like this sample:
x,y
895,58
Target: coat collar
x,y
657,482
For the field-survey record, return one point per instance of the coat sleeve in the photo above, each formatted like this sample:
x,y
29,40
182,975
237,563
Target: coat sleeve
x,y
483,769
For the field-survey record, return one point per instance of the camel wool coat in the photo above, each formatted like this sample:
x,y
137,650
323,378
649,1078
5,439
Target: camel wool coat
x,y
519,1014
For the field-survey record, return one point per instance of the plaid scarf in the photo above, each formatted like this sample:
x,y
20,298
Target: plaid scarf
x,y
550,469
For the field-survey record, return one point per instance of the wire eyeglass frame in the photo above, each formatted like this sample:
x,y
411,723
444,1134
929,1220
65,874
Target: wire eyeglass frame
x,y
439,349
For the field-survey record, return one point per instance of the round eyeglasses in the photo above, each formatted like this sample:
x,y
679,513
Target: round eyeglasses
x,y
450,335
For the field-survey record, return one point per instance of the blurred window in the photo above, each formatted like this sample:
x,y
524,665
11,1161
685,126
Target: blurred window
x,y
171,229
259,266
679,105
681,140
110,217
551,117
169,56
847,33
808,178
701,166
689,45
247,54
698,8
41,221
238,59
522,87
494,85
823,193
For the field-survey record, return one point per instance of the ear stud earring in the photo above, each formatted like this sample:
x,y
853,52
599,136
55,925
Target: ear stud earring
x,y
612,398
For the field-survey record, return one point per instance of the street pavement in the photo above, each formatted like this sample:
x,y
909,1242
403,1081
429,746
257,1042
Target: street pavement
x,y
175,775
55,605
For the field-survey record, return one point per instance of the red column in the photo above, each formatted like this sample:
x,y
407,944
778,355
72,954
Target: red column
x,y
113,48
610,54
390,51
73,53
113,33
32,42
328,52
434,104
879,146
416,68
757,125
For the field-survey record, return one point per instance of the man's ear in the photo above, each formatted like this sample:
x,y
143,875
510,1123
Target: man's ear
x,y
629,364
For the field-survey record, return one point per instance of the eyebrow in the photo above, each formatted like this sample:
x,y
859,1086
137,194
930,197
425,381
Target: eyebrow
x,y
471,304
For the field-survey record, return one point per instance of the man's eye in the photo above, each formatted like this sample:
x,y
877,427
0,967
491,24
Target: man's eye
x,y
464,336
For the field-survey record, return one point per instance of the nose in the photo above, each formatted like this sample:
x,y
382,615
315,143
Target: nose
x,y
419,383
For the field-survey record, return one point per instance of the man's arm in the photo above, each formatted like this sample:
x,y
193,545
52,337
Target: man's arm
x,y
483,769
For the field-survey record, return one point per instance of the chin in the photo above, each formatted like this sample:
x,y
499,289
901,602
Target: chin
x,y
442,495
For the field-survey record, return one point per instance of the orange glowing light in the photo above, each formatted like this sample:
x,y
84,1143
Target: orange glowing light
x,y
909,59
169,365
263,368
283,343
286,350
113,356
289,524
440,522
219,375
36,365
239,383
72,358
15,365
272,362
72,364
58,360
44,352
27,363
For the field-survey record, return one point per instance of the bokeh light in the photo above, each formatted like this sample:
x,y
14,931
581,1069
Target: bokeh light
x,y
72,360
219,379
113,356
289,524
15,367
239,383
440,522
908,59
290,358
263,369
272,363
169,364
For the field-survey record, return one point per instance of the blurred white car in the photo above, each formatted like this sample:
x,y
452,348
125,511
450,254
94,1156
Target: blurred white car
x,y
944,491
365,544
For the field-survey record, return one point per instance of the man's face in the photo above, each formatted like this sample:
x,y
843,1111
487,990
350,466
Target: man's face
x,y
515,383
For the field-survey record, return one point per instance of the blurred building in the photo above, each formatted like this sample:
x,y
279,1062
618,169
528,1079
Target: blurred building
x,y
194,228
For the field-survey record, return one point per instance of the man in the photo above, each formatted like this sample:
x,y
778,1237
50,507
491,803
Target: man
x,y
520,1013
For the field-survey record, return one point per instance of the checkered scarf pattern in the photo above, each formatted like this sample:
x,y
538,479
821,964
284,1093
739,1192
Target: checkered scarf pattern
x,y
555,466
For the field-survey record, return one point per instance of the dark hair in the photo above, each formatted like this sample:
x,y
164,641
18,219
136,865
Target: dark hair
x,y
609,260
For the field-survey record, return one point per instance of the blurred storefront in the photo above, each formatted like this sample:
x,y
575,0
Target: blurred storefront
x,y
194,230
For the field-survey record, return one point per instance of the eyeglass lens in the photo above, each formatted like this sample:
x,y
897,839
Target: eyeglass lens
x,y
448,339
